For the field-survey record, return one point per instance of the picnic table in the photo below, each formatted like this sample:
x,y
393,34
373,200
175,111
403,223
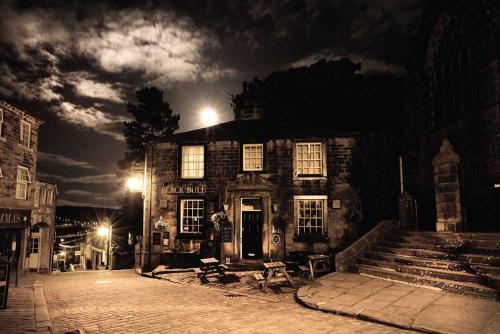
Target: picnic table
x,y
210,266
318,264
274,272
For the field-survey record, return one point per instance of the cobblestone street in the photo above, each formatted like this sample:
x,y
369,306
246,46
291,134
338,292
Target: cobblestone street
x,y
122,302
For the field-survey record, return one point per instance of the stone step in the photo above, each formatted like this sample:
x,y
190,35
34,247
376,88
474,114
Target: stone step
x,y
410,260
469,243
452,235
415,252
485,269
461,276
491,260
444,247
447,285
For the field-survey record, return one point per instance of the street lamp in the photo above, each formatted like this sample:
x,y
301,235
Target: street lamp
x,y
106,231
135,183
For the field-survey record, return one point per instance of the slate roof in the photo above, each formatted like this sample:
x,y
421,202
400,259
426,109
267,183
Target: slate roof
x,y
241,130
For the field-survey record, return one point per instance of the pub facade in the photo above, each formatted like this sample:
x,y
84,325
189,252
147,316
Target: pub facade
x,y
282,188
19,190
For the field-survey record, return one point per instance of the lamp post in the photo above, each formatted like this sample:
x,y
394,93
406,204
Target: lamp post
x,y
106,231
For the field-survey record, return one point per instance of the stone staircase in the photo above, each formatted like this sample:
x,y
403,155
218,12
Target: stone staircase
x,y
466,263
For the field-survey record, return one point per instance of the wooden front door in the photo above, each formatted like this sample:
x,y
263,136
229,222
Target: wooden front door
x,y
252,234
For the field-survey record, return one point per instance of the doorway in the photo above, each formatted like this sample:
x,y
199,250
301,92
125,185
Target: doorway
x,y
251,224
34,250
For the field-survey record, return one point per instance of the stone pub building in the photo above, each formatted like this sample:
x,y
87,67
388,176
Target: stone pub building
x,y
256,171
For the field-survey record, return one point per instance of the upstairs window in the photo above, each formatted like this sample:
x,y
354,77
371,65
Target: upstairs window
x,y
25,134
43,196
23,179
310,214
50,196
309,159
253,157
1,123
192,215
193,162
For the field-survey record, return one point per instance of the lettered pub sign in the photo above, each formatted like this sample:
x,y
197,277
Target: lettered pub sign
x,y
14,218
4,285
181,189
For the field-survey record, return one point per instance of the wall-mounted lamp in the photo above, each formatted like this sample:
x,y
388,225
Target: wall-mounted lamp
x,y
276,207
225,206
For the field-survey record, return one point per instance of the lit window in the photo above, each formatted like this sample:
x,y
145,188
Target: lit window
x,y
253,157
34,245
310,214
25,134
192,215
1,123
193,162
309,159
1,174
23,178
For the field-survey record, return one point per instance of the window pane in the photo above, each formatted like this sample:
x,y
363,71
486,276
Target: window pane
x,y
193,165
310,216
192,216
253,158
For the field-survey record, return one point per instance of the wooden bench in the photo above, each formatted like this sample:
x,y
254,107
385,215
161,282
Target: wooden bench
x,y
198,272
304,271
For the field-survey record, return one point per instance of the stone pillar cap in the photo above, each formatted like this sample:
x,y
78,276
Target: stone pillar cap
x,y
446,154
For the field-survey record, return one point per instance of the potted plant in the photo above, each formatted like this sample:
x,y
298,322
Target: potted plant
x,y
279,222
218,219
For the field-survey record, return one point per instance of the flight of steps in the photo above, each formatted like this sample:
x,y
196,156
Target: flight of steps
x,y
467,263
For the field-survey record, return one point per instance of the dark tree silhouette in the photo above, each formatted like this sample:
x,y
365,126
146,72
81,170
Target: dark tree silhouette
x,y
153,120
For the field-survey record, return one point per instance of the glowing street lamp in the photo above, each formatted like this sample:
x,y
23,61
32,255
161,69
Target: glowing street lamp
x,y
135,184
103,231
209,116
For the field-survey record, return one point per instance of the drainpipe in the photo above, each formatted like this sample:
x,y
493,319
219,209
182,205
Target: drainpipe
x,y
150,203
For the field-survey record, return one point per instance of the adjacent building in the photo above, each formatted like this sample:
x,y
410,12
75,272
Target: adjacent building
x,y
26,224
453,153
283,188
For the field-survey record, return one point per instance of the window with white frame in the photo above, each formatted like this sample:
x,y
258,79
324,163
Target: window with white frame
x,y
192,215
1,123
309,159
25,134
253,157
34,245
1,173
23,179
50,196
193,162
310,214
43,196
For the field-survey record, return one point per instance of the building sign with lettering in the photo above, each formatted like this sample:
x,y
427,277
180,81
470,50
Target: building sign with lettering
x,y
179,189
14,218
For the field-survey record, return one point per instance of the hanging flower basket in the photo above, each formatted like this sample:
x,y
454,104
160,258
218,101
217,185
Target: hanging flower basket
x,y
218,219
279,222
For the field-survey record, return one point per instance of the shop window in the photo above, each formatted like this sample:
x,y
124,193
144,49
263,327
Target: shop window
x,y
308,159
23,179
25,134
310,215
253,157
192,215
193,162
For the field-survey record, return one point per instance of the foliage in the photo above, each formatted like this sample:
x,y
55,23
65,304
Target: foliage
x,y
153,120
279,221
218,219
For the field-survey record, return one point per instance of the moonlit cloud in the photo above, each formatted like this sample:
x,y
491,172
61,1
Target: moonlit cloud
x,y
89,117
84,85
91,179
58,159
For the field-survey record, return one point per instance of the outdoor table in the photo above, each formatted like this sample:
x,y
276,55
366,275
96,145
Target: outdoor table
x,y
275,272
210,266
319,264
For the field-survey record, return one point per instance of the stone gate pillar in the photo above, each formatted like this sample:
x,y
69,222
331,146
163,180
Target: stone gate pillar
x,y
448,208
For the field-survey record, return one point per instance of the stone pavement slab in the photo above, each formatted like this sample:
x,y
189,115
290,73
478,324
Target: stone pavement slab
x,y
401,305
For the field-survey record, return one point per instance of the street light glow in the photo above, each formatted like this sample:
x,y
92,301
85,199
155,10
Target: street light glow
x,y
103,231
134,183
208,116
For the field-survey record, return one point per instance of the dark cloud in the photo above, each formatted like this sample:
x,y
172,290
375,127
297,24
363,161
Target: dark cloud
x,y
75,64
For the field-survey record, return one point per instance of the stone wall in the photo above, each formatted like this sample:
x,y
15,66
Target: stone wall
x,y
345,259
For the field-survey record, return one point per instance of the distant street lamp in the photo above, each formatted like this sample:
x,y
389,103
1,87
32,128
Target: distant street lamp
x,y
106,231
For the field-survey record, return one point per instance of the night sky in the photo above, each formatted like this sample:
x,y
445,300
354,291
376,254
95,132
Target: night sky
x,y
75,64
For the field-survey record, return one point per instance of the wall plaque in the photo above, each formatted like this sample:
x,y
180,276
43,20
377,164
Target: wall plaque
x,y
178,189
276,239
226,232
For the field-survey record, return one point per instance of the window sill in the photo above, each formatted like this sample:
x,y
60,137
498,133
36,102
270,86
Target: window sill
x,y
311,238
310,178
191,236
25,147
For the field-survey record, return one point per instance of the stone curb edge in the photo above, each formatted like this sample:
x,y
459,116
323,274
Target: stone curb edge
x,y
301,298
43,323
